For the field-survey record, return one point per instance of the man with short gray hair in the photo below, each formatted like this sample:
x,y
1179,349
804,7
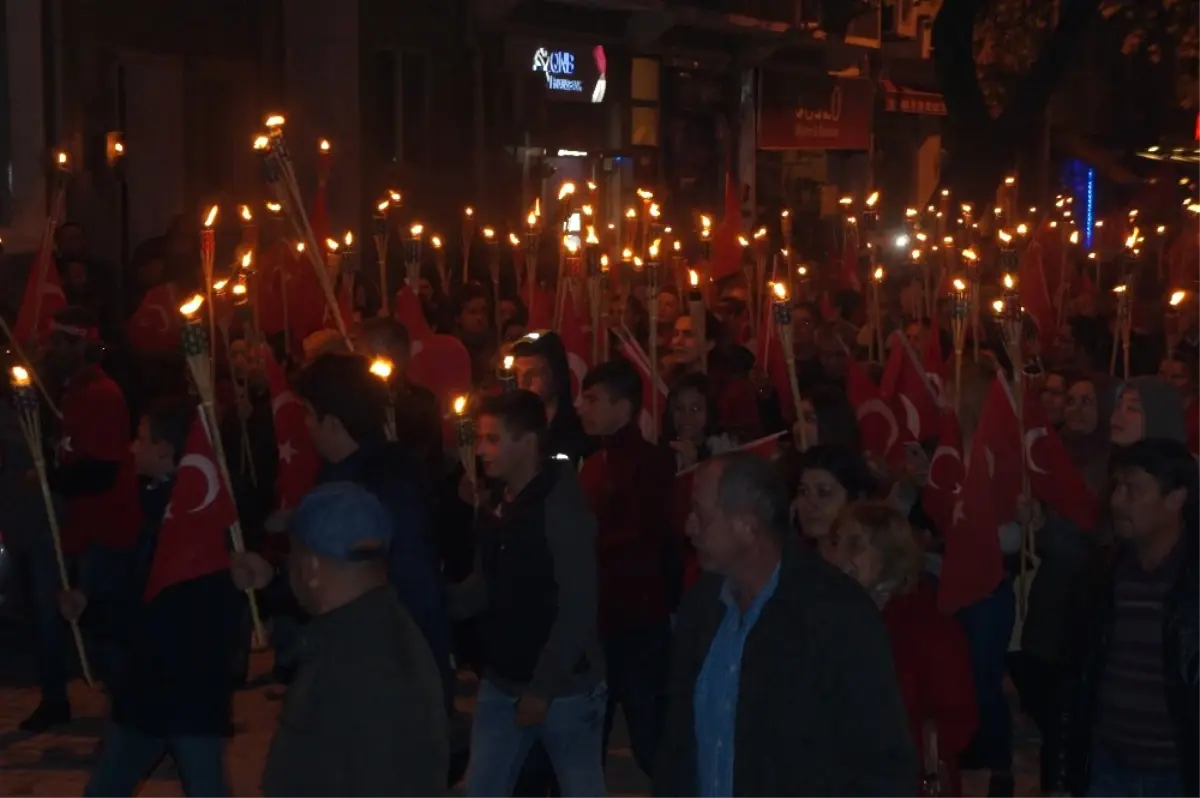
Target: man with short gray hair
x,y
783,678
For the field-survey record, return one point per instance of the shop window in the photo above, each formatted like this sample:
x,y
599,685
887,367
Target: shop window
x,y
643,126
644,80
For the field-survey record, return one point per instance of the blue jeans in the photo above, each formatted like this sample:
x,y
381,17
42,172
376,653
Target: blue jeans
x,y
572,735
637,665
988,624
130,755
1111,778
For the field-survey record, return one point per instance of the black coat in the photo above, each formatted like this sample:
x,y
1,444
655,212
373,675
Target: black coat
x,y
819,709
1091,607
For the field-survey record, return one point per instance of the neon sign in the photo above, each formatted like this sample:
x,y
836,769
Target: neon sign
x,y
568,73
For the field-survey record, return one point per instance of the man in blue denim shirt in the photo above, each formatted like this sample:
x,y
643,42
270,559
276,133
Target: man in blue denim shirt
x,y
783,679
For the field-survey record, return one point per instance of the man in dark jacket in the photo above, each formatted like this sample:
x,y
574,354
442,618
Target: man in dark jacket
x,y
535,589
542,366
176,693
782,678
1129,720
364,715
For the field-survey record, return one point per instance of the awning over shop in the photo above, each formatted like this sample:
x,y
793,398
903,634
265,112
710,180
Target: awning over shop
x,y
905,100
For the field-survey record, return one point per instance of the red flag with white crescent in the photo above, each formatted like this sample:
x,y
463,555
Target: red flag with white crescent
x,y
43,298
156,324
577,342
632,351
298,460
192,540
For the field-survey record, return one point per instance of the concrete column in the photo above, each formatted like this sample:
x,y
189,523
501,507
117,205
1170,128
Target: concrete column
x,y
26,120
322,98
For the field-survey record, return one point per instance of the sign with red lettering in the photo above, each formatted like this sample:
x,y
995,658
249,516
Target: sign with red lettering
x,y
800,111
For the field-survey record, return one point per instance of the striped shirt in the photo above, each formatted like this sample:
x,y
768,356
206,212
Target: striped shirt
x,y
1132,717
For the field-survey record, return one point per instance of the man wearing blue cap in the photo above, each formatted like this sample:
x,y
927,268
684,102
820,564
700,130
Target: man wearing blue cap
x,y
364,714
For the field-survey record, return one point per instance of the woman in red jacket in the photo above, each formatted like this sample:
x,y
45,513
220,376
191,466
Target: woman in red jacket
x,y
874,545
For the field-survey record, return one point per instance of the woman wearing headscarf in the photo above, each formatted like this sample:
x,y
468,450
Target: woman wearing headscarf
x,y
1148,407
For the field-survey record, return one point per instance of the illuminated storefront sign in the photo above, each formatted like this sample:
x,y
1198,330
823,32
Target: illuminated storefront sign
x,y
573,73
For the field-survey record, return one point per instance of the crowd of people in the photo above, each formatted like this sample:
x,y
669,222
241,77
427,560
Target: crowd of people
x,y
774,595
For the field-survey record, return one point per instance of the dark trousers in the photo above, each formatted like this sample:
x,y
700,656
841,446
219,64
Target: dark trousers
x,y
130,756
988,624
105,576
637,667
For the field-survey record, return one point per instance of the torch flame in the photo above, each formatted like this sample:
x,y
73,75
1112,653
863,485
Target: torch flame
x,y
460,405
382,368
677,245
382,206
488,233
1091,256
910,213
653,253
239,289
874,198
626,254
592,240
299,246
1022,229
644,194
509,360
1099,223
967,208
742,240
637,262
274,207
416,230
604,263
331,245
191,306
567,190
693,278
571,244
916,255
61,158
1193,207
760,233
630,213
1009,282
275,121
244,212
970,255
323,145
998,305
959,285
587,210
591,186
348,239
219,285
654,210
878,275
1162,228
20,376
435,242
514,239
394,196
1008,181
802,271
261,142
948,240
1132,240
1120,289
846,201
705,222
247,258
1177,298
945,192
1074,239
1005,236
785,213
531,219
468,212
211,217
1133,212
780,291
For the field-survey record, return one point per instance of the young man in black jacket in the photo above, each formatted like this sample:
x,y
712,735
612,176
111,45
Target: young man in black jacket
x,y
1129,722
535,590
176,694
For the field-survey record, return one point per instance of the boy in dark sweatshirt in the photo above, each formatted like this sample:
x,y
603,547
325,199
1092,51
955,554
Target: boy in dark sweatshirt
x,y
176,693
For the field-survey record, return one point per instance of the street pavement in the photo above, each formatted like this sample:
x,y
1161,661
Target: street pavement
x,y
58,763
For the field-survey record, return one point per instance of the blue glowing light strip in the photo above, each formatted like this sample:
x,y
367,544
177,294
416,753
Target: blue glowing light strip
x,y
1089,214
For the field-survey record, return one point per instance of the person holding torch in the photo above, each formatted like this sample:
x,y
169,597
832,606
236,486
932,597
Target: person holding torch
x,y
94,474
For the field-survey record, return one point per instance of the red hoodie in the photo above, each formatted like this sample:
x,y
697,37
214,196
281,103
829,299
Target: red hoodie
x,y
629,484
933,666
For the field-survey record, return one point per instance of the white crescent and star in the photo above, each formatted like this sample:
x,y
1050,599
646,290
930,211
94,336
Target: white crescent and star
x,y
912,418
287,452
944,451
209,470
162,314
1031,437
282,400
878,406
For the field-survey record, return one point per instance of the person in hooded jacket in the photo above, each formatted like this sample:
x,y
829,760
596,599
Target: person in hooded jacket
x,y
542,366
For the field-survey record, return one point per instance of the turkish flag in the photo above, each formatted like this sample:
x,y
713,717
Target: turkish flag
x,y
881,434
411,315
156,324
726,250
541,315
192,539
933,362
947,473
289,290
904,383
43,298
298,460
442,364
1053,476
577,341
632,351
1035,291
972,564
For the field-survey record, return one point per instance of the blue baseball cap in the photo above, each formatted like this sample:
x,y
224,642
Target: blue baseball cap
x,y
342,521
